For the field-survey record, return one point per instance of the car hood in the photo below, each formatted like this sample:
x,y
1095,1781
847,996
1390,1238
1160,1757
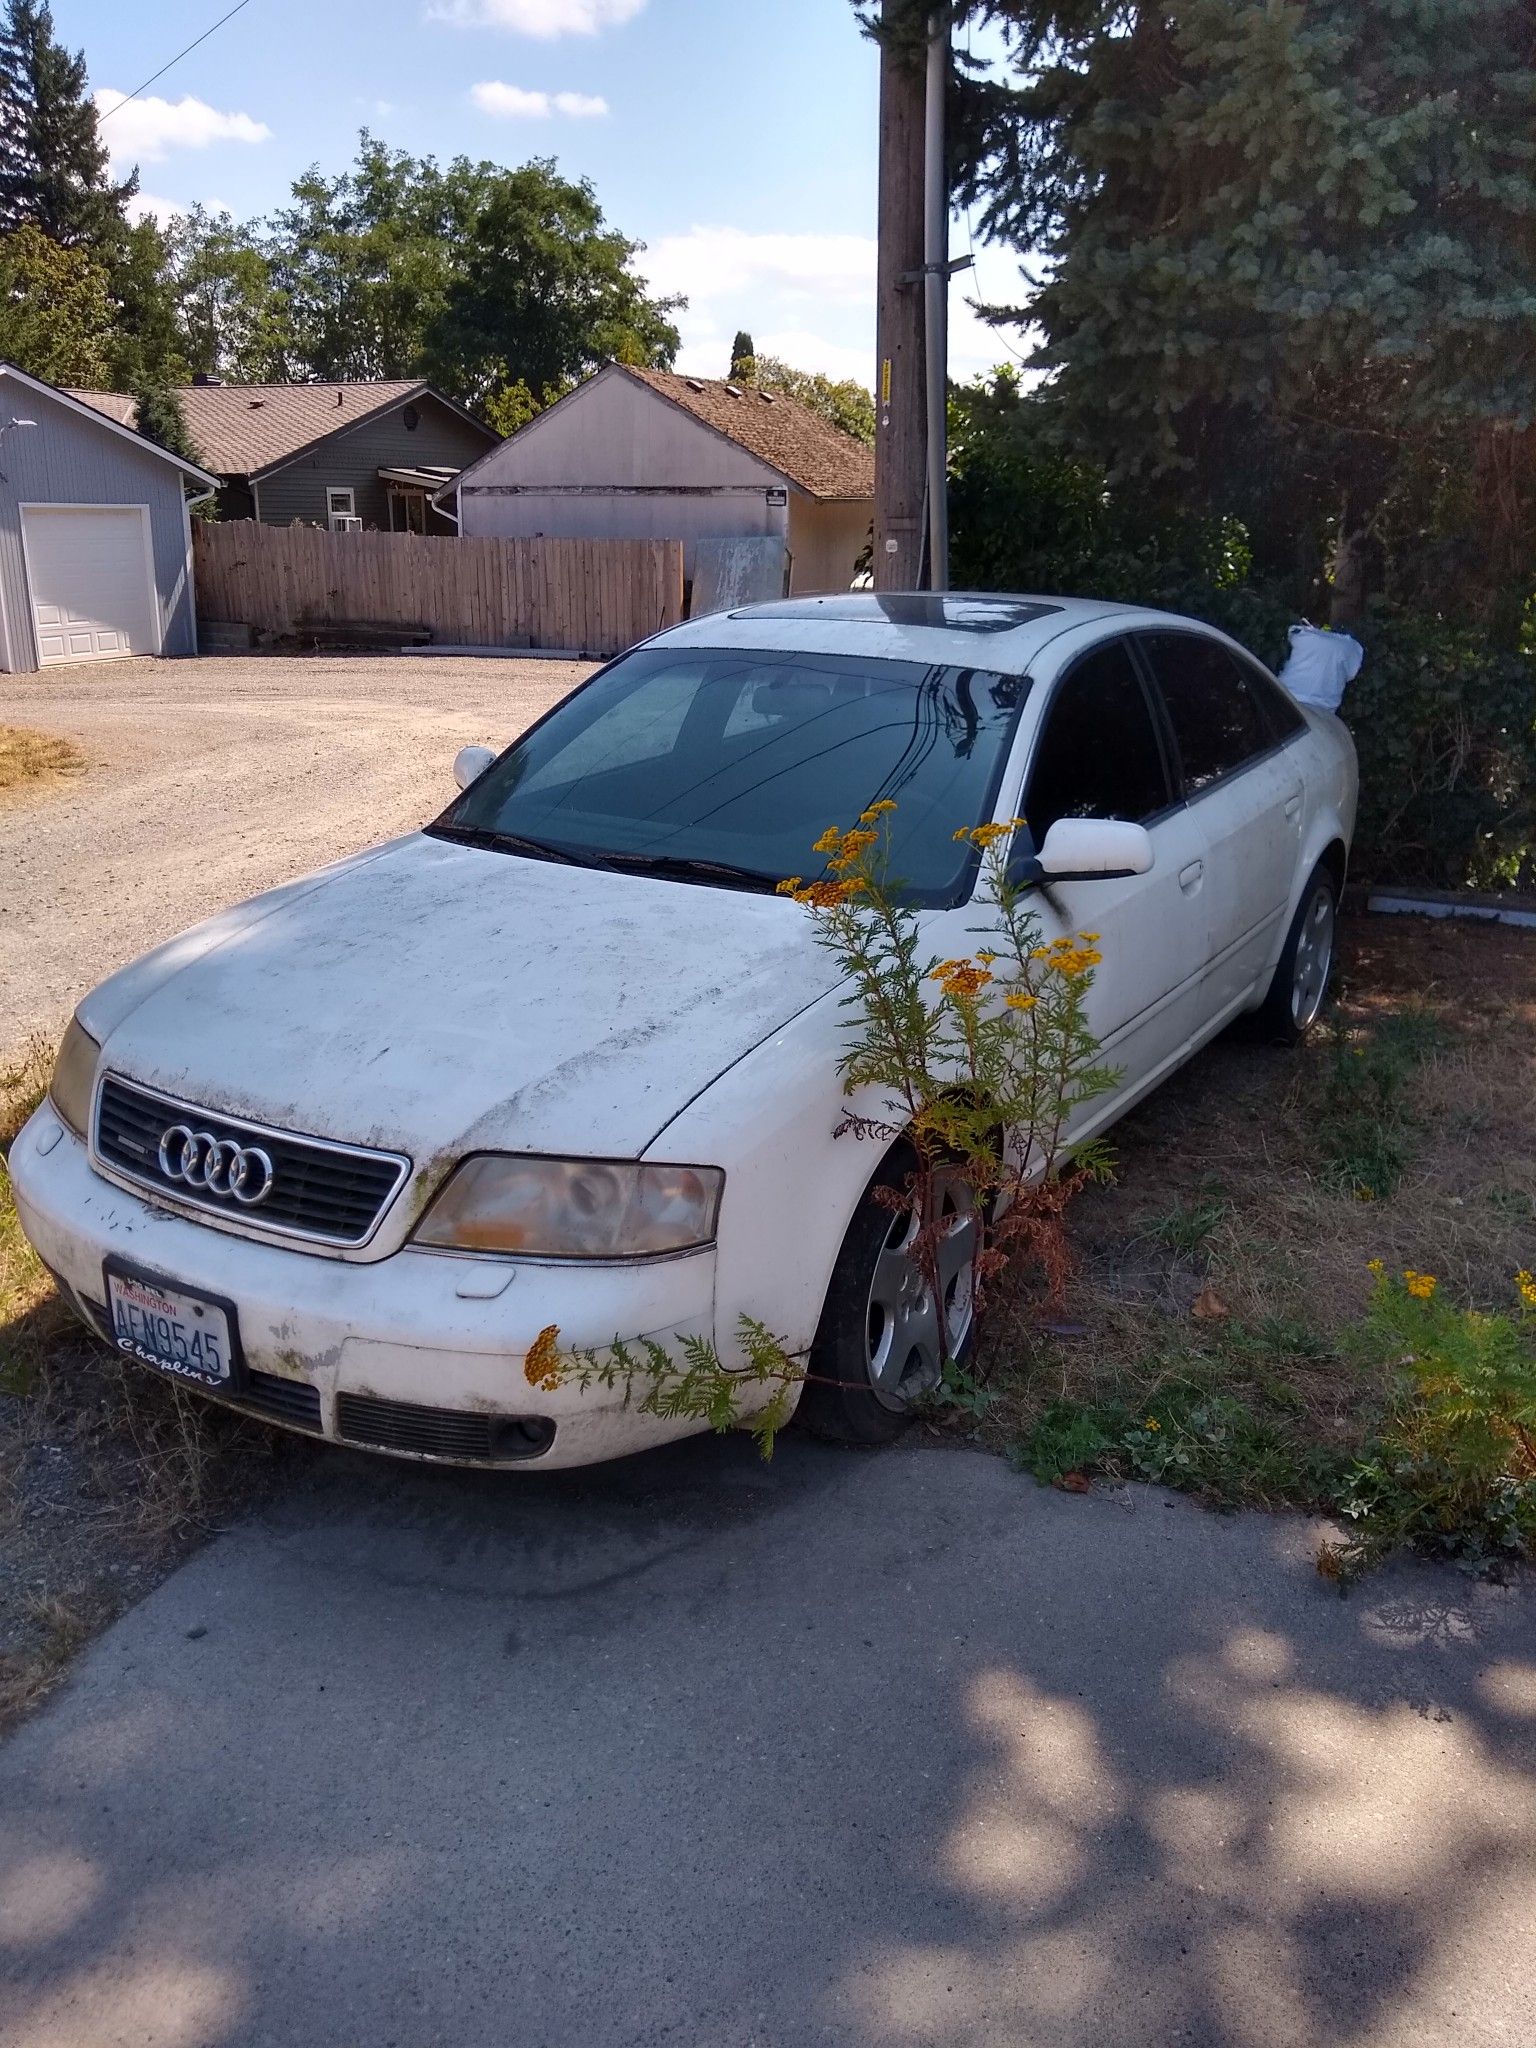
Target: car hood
x,y
433,998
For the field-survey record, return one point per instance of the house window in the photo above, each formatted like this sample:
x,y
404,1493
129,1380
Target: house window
x,y
410,419
338,508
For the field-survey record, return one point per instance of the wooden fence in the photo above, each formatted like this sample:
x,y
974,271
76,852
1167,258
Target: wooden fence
x,y
587,596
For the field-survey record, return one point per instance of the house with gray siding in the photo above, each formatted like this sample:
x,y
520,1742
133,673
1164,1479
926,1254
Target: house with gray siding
x,y
95,537
368,456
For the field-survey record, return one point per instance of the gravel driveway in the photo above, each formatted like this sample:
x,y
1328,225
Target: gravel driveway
x,y
210,780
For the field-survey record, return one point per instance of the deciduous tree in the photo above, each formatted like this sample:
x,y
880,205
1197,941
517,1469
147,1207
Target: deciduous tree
x,y
55,310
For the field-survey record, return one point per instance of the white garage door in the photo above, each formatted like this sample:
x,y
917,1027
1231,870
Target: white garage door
x,y
88,568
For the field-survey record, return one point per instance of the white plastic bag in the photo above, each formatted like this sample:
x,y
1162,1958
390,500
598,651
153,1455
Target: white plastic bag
x,y
1319,665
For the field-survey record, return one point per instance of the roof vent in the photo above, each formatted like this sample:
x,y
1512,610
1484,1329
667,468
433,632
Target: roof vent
x,y
204,380
693,384
766,397
255,402
733,390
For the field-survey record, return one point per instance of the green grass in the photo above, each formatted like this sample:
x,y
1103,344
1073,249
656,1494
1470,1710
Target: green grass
x,y
1367,1122
1187,1228
1229,1450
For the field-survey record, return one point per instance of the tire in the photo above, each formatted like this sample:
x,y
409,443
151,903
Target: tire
x,y
1300,987
876,1350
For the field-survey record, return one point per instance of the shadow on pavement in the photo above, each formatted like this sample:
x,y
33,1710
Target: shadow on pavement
x,y
866,1750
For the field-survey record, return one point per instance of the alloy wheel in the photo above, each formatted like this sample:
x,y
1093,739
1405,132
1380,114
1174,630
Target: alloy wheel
x,y
904,1320
1314,958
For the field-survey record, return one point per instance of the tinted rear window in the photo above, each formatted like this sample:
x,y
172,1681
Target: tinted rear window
x,y
1213,706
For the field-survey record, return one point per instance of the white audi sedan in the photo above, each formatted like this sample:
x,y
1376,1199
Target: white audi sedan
x,y
565,1057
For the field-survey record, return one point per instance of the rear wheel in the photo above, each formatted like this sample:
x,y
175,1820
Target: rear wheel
x,y
878,1346
1300,987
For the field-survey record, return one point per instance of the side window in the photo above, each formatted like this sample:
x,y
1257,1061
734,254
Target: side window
x,y
1280,713
1213,706
1099,755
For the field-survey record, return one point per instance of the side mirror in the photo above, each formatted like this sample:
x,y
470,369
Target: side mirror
x,y
1094,850
470,763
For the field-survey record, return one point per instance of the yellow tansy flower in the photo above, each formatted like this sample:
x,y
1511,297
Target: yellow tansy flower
x,y
541,1367
1420,1285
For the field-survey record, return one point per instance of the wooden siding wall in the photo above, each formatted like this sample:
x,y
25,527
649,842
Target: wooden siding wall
x,y
592,597
353,456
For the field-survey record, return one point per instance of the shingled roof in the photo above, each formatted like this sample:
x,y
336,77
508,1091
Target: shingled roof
x,y
247,429
780,430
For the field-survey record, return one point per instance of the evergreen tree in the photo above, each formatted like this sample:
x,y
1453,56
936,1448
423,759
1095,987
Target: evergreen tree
x,y
743,355
1286,264
160,419
53,164
146,342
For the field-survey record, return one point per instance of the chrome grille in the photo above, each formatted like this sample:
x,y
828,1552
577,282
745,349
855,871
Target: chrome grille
x,y
322,1191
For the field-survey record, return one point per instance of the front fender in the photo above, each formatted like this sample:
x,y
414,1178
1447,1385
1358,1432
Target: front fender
x,y
791,1183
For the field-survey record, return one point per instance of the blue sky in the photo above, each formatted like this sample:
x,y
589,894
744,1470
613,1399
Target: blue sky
x,y
737,140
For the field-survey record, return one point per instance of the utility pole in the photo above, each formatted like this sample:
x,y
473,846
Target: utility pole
x,y
901,454
936,295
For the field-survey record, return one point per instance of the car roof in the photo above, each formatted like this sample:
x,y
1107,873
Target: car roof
x,y
961,628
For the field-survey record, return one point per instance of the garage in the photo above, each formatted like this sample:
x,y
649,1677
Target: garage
x,y
95,535
90,575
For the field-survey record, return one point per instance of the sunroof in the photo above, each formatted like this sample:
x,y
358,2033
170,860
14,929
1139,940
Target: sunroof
x,y
954,611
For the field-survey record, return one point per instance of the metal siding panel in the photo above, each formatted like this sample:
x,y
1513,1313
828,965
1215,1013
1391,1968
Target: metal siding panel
x,y
67,460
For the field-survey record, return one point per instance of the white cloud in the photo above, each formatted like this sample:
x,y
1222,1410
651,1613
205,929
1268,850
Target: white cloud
x,y
717,262
145,130
807,350
545,19
517,103
807,298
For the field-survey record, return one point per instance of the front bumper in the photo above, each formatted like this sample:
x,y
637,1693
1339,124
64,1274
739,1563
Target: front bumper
x,y
347,1351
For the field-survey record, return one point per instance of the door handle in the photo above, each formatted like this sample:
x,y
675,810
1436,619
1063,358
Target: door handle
x,y
1189,877
1293,805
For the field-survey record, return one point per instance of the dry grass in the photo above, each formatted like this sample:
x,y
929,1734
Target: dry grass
x,y
1230,1252
108,1475
32,760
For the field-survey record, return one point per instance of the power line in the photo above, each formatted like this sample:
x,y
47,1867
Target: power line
x,y
170,65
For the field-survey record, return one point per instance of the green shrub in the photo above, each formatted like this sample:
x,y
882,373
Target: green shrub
x,y
1453,1471
1443,714
1445,726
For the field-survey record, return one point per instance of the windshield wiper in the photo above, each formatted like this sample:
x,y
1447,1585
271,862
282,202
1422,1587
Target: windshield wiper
x,y
682,867
506,842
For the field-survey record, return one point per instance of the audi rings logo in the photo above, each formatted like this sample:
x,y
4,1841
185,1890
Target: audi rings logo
x,y
216,1166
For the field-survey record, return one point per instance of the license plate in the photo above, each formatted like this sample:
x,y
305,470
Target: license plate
x,y
188,1335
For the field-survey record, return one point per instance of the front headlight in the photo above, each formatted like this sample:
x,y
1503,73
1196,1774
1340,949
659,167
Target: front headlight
x,y
74,1076
573,1208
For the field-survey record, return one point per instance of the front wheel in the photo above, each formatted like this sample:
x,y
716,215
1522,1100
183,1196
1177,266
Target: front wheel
x,y
1300,987
883,1332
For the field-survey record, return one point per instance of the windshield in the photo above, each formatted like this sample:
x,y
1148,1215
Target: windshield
x,y
730,762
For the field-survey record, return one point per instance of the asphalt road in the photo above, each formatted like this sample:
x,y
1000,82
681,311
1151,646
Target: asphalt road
x,y
211,780
865,1750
